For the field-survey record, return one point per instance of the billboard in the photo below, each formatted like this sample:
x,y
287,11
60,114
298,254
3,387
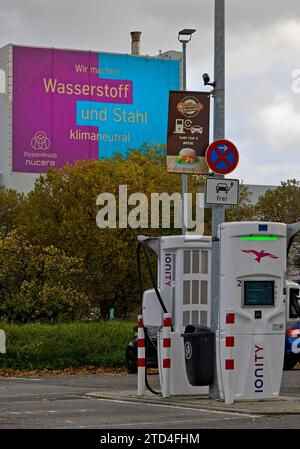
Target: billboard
x,y
76,105
188,132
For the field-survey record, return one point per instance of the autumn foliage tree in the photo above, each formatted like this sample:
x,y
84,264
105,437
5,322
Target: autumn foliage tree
x,y
40,283
56,264
10,203
283,205
61,212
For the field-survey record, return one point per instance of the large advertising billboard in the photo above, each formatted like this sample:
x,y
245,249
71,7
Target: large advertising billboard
x,y
77,105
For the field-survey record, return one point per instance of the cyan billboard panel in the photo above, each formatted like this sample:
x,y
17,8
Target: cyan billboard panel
x,y
142,117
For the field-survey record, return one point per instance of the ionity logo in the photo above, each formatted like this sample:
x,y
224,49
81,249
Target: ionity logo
x,y
259,254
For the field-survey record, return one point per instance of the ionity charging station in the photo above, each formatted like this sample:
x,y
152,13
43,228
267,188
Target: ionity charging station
x,y
251,337
248,346
183,292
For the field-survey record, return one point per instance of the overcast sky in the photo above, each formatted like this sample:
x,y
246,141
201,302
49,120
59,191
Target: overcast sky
x,y
262,59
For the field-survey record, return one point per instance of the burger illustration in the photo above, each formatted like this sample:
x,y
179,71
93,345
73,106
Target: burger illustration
x,y
189,106
187,157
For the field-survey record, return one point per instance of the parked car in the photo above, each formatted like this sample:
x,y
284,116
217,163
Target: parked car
x,y
131,352
296,280
292,345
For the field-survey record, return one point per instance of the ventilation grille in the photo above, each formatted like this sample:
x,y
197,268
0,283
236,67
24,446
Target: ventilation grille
x,y
195,288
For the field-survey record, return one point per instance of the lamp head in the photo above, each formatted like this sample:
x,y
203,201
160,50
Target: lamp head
x,y
185,35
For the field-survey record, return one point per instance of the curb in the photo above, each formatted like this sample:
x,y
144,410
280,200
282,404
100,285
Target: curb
x,y
209,407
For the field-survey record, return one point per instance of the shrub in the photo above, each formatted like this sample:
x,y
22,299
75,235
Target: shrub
x,y
40,284
60,346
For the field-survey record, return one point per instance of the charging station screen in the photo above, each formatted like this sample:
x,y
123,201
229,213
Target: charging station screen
x,y
258,293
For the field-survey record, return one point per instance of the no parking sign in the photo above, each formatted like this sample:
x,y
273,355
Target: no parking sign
x,y
222,156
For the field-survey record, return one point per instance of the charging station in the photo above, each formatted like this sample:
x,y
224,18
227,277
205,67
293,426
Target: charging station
x,y
251,337
256,303
183,286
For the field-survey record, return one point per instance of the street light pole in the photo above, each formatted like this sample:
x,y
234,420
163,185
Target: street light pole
x,y
218,214
184,36
183,65
184,177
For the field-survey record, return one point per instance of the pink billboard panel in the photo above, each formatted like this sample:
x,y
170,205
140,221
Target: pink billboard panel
x,y
78,105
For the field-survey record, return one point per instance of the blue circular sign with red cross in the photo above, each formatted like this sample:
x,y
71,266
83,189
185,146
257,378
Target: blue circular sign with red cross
x,y
222,156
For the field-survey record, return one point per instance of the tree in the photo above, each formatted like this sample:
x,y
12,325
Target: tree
x,y
40,283
244,211
10,203
61,211
283,205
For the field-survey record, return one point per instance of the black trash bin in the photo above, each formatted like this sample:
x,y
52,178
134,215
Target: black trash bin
x,y
199,350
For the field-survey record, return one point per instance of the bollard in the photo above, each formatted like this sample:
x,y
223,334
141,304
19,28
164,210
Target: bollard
x,y
166,365
229,361
2,342
141,361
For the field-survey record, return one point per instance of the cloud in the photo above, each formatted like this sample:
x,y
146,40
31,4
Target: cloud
x,y
280,124
268,52
263,113
244,17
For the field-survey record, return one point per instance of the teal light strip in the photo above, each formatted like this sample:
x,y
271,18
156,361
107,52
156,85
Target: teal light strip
x,y
259,237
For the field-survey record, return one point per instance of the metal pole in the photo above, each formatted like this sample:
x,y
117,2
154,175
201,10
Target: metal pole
x,y
184,183
218,214
183,65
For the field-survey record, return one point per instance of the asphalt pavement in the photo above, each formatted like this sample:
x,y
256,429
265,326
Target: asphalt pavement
x,y
109,401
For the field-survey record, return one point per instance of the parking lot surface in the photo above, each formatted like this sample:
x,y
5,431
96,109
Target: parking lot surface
x,y
108,401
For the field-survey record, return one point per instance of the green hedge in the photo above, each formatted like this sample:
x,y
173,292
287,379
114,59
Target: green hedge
x,y
43,346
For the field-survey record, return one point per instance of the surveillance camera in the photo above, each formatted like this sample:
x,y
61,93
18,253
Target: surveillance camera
x,y
206,78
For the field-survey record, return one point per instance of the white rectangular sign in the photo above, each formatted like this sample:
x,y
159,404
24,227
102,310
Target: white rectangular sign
x,y
222,191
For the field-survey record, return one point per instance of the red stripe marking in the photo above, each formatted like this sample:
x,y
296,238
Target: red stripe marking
x,y
140,323
166,363
229,343
229,318
141,342
167,322
141,363
229,364
167,342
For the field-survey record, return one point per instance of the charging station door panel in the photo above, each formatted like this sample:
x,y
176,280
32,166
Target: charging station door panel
x,y
262,378
252,308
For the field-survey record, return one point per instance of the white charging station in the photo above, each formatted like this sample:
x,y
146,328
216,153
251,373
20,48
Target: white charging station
x,y
184,267
252,320
256,302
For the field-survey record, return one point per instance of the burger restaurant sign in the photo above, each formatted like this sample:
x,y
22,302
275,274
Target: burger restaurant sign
x,y
188,132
